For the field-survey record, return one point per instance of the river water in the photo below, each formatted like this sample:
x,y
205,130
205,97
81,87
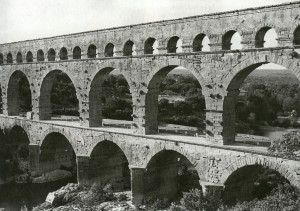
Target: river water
x,y
13,196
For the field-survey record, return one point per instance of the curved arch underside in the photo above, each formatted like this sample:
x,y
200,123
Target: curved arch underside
x,y
250,182
45,104
108,164
18,82
168,174
57,153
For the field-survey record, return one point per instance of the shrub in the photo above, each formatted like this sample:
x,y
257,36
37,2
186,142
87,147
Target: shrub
x,y
288,146
283,197
196,200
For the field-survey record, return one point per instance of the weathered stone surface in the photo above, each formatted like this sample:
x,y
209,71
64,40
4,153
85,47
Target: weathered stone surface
x,y
219,72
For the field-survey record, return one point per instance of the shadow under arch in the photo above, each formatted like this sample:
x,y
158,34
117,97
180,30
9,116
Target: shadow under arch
x,y
249,182
154,81
264,39
168,174
109,164
45,107
148,46
96,93
19,140
18,91
56,152
14,151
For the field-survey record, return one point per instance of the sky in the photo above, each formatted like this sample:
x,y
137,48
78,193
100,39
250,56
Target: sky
x,y
31,19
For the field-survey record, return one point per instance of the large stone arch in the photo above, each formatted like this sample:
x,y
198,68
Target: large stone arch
x,y
110,138
57,153
25,127
12,91
108,66
286,61
272,163
68,135
235,78
153,81
95,87
176,62
47,81
65,70
108,163
170,147
168,173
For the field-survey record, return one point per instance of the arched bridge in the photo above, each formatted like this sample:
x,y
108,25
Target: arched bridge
x,y
144,54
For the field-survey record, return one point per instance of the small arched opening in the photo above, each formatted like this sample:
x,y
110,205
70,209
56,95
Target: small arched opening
x,y
201,43
168,175
29,56
266,37
63,54
109,165
1,59
109,50
51,55
151,45
40,55
92,51
129,49
77,53
18,95
19,57
9,58
231,40
174,45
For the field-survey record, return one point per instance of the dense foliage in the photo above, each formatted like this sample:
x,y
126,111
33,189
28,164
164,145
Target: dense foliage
x,y
116,98
284,197
63,96
189,109
288,146
262,105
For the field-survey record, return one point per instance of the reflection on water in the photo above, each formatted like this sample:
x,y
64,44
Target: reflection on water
x,y
13,196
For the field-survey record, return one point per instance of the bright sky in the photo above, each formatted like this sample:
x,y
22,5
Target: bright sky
x,y
22,20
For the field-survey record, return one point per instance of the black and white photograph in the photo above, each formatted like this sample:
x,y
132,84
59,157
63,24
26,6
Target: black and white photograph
x,y
149,105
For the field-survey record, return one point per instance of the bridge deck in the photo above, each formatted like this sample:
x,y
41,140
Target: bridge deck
x,y
200,140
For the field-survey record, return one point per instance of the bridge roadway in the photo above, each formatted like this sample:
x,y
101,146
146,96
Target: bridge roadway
x,y
213,163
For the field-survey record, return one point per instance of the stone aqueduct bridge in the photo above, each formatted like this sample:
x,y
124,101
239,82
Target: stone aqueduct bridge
x,y
89,56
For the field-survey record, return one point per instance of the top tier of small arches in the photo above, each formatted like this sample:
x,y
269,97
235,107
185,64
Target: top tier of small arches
x,y
231,40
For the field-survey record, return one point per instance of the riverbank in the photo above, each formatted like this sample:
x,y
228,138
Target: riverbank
x,y
97,197
15,195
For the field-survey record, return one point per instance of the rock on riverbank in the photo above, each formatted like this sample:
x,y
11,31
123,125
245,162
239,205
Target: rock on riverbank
x,y
98,197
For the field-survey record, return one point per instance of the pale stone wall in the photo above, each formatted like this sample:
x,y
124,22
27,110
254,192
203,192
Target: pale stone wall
x,y
219,74
213,163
